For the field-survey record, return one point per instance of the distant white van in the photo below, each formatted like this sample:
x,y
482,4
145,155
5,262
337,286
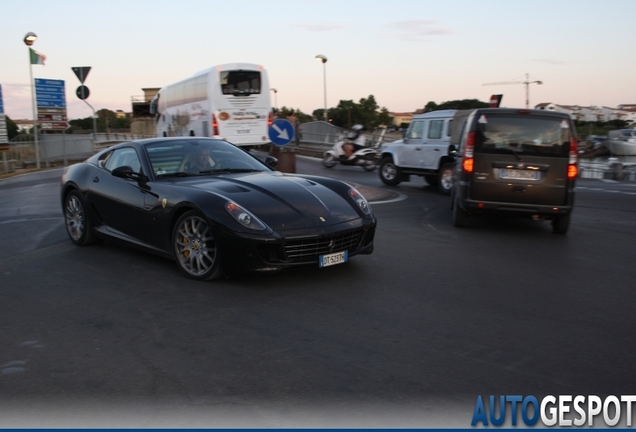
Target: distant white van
x,y
425,151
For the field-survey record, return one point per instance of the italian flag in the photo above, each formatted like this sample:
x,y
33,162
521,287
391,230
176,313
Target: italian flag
x,y
36,57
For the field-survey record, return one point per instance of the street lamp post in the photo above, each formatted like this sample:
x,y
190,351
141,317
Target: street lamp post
x,y
323,59
28,40
275,98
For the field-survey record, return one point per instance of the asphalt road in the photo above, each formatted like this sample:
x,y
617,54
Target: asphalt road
x,y
106,336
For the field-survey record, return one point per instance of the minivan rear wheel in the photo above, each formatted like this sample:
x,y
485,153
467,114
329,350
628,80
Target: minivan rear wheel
x,y
460,216
561,224
432,180
445,182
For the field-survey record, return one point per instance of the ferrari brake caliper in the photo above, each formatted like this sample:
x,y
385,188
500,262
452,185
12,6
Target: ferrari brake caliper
x,y
186,252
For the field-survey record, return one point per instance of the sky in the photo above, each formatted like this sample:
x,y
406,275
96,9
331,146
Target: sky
x,y
403,52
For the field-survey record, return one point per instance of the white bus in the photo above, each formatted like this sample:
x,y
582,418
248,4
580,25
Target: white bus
x,y
229,101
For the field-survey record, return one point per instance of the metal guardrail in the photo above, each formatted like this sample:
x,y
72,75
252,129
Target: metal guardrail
x,y
607,170
56,149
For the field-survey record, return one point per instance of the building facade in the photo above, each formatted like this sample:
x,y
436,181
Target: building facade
x,y
593,113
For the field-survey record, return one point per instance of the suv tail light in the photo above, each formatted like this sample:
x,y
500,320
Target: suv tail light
x,y
572,168
468,162
215,126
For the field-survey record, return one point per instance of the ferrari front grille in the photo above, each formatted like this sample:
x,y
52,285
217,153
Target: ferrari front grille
x,y
309,249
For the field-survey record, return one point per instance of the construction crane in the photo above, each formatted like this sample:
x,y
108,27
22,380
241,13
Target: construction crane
x,y
527,83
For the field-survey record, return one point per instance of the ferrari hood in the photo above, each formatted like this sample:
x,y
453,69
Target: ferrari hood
x,y
284,202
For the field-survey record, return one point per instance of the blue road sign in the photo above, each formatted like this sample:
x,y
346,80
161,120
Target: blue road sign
x,y
50,93
1,103
281,132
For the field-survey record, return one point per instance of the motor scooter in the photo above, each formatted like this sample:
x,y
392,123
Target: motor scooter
x,y
366,157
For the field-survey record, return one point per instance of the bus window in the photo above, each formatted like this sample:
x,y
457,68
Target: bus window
x,y
240,83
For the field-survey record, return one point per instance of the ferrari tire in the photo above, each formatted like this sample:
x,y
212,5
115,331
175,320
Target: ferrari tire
x,y
78,224
194,248
389,172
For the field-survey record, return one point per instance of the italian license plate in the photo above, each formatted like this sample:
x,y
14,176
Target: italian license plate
x,y
515,174
333,259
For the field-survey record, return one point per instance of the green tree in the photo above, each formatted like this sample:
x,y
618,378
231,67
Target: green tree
x,y
384,118
285,112
366,112
12,128
617,124
462,104
431,106
346,114
318,114
105,120
85,123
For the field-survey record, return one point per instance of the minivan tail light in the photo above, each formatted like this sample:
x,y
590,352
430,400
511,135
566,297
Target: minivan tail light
x,y
572,168
215,126
468,162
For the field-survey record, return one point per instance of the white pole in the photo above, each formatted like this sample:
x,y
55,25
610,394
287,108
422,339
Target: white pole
x,y
35,113
324,74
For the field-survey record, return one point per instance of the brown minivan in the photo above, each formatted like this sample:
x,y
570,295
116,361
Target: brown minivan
x,y
518,162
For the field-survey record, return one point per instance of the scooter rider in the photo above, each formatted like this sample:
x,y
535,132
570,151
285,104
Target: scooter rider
x,y
354,141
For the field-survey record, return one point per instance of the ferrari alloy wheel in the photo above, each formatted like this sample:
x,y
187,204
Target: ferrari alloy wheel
x,y
194,248
77,223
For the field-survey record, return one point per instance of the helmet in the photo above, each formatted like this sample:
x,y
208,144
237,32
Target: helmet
x,y
357,127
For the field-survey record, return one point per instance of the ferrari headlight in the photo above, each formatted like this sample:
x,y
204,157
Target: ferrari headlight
x,y
360,200
244,217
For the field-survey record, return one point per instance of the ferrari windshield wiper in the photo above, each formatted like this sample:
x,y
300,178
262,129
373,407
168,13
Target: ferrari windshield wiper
x,y
229,170
174,174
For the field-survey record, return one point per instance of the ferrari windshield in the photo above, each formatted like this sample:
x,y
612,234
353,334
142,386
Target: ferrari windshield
x,y
170,158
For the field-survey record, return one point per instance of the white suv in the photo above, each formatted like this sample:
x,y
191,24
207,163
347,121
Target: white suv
x,y
425,151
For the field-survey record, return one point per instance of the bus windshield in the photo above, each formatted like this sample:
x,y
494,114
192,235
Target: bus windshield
x,y
240,83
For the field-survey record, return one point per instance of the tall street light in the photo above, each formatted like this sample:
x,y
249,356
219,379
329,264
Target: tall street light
x,y
275,98
28,40
323,59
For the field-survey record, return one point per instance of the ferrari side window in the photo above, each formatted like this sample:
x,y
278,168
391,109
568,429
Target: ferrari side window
x,y
103,159
123,157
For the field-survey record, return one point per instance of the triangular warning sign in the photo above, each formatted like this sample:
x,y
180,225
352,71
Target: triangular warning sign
x,y
81,72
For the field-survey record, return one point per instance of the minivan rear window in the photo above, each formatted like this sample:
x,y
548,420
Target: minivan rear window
x,y
522,135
